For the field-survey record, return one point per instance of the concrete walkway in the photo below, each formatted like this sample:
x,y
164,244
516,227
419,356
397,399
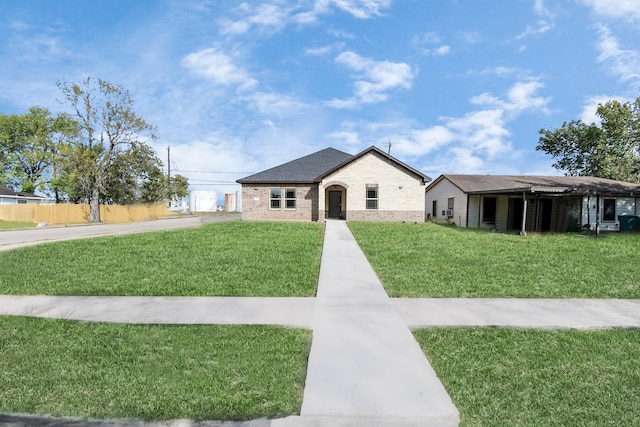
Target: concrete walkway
x,y
365,367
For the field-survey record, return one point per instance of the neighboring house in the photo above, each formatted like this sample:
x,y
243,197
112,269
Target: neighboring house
x,y
530,203
369,186
10,197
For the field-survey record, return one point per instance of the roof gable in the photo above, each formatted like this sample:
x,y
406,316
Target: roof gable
x,y
424,178
299,171
540,184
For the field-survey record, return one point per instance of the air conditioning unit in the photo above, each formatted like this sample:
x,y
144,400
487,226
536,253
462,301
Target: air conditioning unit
x,y
449,213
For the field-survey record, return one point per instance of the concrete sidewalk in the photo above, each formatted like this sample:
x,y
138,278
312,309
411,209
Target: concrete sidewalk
x,y
519,312
294,312
299,312
365,367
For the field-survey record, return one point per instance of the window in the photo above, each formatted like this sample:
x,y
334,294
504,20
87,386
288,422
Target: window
x,y
489,210
450,201
372,197
275,198
609,210
434,208
22,202
290,198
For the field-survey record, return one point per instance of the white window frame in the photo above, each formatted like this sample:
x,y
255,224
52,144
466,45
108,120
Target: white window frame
x,y
288,199
371,200
273,199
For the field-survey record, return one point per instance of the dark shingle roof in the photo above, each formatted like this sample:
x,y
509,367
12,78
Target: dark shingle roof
x,y
5,191
300,171
541,184
314,167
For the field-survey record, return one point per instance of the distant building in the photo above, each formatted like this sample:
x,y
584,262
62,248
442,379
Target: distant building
x,y
10,197
203,201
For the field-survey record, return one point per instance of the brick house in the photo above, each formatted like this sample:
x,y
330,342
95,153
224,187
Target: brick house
x,y
369,186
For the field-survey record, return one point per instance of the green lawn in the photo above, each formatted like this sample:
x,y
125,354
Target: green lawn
x,y
223,259
99,370
525,377
10,225
429,260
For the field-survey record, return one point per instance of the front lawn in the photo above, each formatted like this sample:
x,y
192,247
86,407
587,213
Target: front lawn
x,y
526,377
150,372
11,225
429,260
222,259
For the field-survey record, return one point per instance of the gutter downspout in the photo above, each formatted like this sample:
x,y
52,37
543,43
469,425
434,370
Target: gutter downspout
x,y
479,206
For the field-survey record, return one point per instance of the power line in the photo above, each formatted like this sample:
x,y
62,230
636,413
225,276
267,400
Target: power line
x,y
182,170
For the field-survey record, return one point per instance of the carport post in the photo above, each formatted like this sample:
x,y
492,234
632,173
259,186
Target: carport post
x,y
523,231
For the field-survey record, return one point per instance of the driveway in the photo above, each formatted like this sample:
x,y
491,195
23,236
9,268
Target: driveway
x,y
11,239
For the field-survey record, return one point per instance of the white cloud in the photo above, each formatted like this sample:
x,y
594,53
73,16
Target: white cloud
x,y
362,9
373,79
324,50
466,160
628,10
483,130
430,44
590,107
274,104
262,16
346,137
520,96
539,29
218,67
274,16
422,141
544,25
623,63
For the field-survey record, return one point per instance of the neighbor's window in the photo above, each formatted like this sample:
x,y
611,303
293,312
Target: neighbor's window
x,y
450,201
275,198
609,210
290,198
489,210
434,208
372,197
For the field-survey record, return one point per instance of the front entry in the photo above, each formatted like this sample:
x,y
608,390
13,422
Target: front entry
x,y
335,204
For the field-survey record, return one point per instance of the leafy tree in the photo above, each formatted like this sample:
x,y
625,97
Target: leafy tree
x,y
29,146
108,127
178,188
135,177
609,150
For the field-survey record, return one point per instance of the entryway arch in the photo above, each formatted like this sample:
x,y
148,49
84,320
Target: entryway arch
x,y
335,196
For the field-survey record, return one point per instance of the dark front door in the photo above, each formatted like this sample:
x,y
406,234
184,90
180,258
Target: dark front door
x,y
546,210
515,213
335,204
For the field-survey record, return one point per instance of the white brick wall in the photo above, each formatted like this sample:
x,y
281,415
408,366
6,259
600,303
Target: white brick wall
x,y
400,194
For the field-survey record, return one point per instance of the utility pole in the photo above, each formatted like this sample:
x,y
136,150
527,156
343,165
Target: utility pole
x,y
168,166
389,147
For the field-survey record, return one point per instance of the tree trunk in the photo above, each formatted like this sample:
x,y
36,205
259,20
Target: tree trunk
x,y
94,205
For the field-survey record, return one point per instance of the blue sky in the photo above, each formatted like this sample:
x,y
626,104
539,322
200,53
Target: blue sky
x,y
457,86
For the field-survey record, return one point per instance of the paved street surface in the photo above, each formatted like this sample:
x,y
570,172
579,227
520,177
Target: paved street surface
x,y
11,239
